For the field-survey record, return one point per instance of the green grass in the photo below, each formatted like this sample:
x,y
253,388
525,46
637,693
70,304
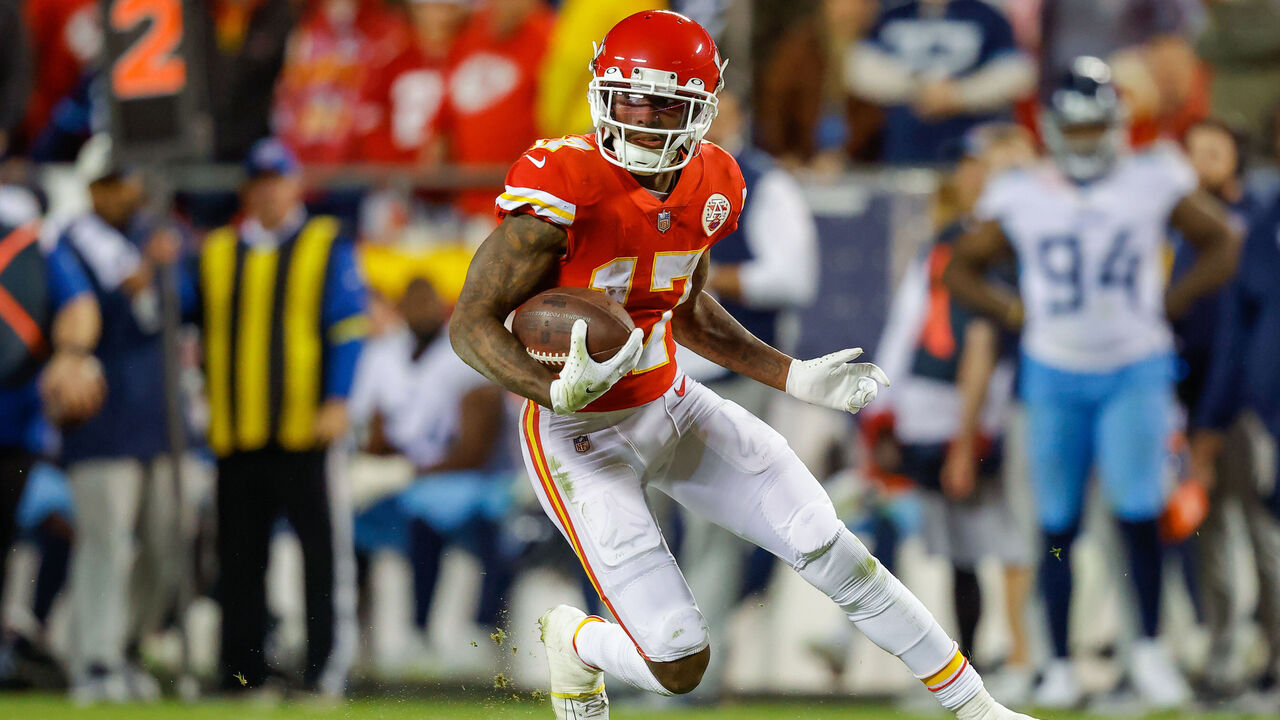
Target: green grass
x,y
45,707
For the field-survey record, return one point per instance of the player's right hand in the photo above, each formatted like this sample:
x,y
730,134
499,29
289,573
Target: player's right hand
x,y
583,380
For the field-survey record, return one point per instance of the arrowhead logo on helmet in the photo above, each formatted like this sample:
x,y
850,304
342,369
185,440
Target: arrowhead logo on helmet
x,y
653,90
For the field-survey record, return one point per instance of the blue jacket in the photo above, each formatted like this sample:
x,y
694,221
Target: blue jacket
x,y
968,35
1244,372
1195,332
22,423
132,421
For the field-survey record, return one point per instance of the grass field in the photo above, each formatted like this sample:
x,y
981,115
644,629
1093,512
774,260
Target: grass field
x,y
37,707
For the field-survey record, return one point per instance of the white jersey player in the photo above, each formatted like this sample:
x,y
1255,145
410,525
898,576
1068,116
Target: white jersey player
x,y
1089,234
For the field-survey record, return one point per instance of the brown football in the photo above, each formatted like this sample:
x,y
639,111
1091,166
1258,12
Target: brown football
x,y
544,324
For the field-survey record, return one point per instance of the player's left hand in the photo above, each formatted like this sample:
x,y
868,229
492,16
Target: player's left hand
x,y
832,381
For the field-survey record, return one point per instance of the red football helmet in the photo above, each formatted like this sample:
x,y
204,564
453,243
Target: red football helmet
x,y
653,91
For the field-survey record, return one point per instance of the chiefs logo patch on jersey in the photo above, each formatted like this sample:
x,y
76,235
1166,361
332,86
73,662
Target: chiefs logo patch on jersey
x,y
715,213
664,221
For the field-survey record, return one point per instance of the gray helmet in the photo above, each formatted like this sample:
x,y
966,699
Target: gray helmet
x,y
1084,96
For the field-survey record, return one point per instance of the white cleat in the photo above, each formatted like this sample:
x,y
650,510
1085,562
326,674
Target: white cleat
x,y
143,687
99,686
1058,689
984,707
1157,679
577,689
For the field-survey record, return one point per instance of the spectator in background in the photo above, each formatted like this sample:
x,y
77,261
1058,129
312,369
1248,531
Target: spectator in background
x,y
494,80
52,309
1071,28
399,104
337,46
1216,152
244,54
768,266
1241,44
560,109
1244,376
15,70
417,398
949,405
279,372
120,482
66,39
940,67
1264,182
1165,88
805,115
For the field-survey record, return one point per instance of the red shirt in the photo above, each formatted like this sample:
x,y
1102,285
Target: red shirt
x,y
325,69
66,35
489,114
625,242
399,107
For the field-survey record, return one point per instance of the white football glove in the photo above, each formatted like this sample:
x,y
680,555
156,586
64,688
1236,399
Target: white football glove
x,y
583,380
832,381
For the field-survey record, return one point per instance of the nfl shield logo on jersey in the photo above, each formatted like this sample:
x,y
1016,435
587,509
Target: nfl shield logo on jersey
x,y
714,213
664,221
582,443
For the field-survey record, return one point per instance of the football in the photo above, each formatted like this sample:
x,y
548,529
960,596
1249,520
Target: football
x,y
544,324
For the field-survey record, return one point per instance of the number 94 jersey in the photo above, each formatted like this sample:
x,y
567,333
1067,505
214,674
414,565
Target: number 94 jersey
x,y
625,242
1091,258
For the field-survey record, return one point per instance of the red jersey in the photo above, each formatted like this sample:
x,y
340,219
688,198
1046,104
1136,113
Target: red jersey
x,y
625,242
324,72
66,37
399,106
493,89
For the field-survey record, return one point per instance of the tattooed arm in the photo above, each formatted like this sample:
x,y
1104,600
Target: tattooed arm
x,y
703,326
513,264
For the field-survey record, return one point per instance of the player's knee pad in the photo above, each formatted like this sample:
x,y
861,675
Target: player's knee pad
x,y
798,511
685,631
812,530
679,633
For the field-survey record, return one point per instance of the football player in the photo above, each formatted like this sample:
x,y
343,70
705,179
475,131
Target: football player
x,y
1088,231
630,210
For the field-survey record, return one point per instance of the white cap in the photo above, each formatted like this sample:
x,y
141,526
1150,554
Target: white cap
x,y
97,161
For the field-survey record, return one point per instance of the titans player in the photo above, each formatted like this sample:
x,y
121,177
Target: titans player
x,y
1088,231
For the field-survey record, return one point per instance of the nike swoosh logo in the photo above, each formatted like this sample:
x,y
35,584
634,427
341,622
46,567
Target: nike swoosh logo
x,y
590,391
536,162
680,390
